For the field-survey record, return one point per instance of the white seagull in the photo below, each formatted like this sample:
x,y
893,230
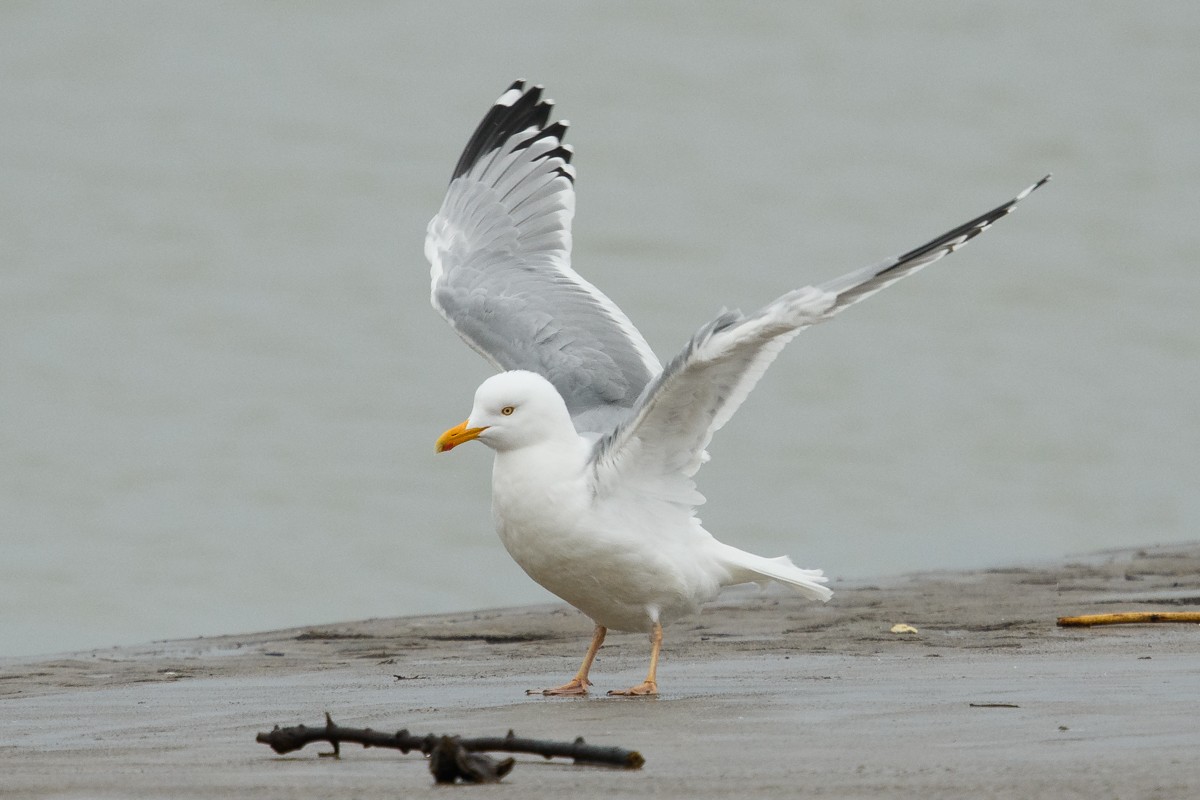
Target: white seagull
x,y
596,442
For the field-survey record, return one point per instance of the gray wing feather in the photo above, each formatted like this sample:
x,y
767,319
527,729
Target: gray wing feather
x,y
499,253
701,388
861,284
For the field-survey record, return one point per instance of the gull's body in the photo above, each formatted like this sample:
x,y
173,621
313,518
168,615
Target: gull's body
x,y
596,443
589,547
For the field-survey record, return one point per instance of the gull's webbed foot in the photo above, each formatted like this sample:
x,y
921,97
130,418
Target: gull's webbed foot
x,y
643,689
572,688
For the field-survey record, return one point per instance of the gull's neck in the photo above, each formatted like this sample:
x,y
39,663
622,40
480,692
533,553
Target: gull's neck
x,y
562,455
549,477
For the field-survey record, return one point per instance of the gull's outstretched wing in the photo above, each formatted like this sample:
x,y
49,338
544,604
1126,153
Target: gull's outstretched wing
x,y
863,283
499,251
661,444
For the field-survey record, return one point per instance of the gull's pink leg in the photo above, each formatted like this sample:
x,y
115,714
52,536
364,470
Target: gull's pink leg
x,y
578,685
649,686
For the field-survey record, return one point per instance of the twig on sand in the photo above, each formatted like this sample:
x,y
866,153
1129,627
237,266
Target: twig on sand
x,y
452,757
450,762
1128,618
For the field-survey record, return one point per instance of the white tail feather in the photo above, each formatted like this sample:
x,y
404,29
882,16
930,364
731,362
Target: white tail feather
x,y
748,568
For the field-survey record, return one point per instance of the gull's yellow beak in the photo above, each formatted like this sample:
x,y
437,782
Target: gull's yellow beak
x,y
457,435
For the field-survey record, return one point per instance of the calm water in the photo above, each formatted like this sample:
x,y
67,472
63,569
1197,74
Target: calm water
x,y
220,379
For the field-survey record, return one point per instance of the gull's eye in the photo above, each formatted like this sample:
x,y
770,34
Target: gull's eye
x,y
507,410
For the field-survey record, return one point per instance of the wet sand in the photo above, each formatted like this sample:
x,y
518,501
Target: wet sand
x,y
766,695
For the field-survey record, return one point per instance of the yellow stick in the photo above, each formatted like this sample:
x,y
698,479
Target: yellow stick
x,y
1129,617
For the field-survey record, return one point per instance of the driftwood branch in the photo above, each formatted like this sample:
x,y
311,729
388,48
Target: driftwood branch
x,y
451,756
451,762
1128,618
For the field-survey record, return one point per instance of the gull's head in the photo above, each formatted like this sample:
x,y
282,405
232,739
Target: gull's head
x,y
513,409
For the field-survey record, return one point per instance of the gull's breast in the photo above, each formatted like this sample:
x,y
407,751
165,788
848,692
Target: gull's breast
x,y
610,566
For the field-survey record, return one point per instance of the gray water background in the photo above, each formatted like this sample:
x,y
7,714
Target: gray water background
x,y
220,378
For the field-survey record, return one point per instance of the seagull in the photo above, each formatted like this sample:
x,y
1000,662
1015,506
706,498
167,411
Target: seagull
x,y
596,443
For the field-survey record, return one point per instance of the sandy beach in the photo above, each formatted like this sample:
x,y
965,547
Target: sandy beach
x,y
765,695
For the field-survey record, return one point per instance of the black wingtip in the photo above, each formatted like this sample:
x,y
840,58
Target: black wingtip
x,y
509,115
964,233
556,130
1038,185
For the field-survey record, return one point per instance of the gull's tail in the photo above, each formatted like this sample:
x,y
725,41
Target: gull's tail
x,y
748,568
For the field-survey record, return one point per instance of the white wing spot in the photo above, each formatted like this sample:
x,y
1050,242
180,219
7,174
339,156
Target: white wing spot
x,y
509,97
